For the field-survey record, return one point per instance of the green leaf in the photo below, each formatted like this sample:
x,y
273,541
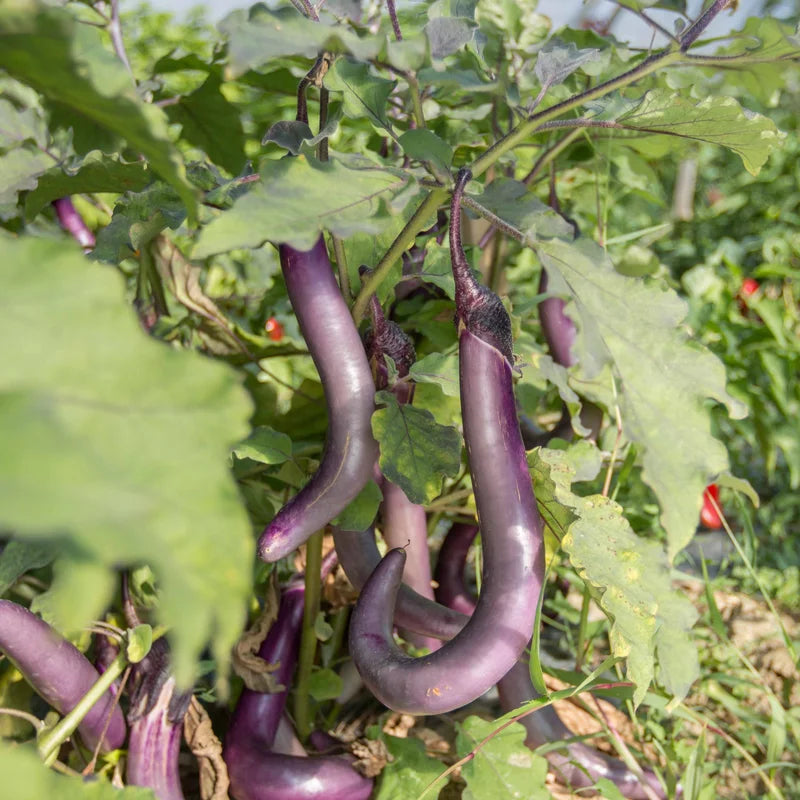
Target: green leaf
x,y
416,452
719,120
212,124
19,170
324,684
119,444
295,200
663,378
633,579
360,512
20,556
448,34
95,172
138,218
73,68
439,369
557,61
364,95
266,446
410,770
140,640
25,777
424,145
504,768
260,35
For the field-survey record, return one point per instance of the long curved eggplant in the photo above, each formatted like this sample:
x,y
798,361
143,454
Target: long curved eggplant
x,y
350,449
499,630
59,672
557,327
580,766
256,767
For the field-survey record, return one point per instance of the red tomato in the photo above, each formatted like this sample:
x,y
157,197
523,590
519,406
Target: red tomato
x,y
274,329
749,286
709,516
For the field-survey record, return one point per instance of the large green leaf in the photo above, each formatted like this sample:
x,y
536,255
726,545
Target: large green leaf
x,y
260,35
720,120
46,48
663,378
504,768
25,777
632,576
363,93
119,444
296,199
416,451
211,123
95,172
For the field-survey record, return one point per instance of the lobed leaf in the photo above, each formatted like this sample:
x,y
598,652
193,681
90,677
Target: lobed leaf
x,y
416,452
649,618
98,438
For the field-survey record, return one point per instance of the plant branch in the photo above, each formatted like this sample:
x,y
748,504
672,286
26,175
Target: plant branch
x,y
308,641
691,34
395,23
115,32
403,241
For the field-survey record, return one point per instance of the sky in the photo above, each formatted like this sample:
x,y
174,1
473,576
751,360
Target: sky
x,y
627,26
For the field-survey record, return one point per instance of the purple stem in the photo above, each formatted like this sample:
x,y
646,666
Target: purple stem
x,y
59,672
72,222
350,449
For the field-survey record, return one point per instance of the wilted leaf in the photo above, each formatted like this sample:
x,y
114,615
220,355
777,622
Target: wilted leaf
x,y
557,61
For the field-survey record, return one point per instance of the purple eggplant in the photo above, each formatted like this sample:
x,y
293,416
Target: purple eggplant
x,y
451,590
72,222
350,449
499,630
155,742
359,556
256,768
557,327
59,672
404,524
580,765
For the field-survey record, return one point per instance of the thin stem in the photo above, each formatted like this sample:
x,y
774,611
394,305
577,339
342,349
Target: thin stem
x,y
51,741
582,647
322,148
341,267
416,98
89,768
652,23
393,17
691,34
15,712
426,209
115,32
305,8
308,641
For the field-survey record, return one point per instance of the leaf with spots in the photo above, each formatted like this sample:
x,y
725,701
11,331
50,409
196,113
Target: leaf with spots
x,y
631,577
416,451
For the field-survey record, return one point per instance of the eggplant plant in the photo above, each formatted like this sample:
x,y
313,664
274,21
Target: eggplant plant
x,y
199,384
